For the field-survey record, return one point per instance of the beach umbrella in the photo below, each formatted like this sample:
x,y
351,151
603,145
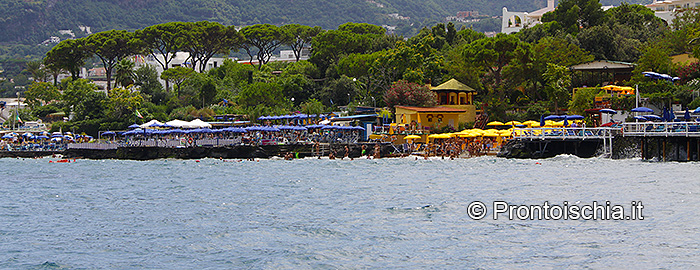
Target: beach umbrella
x,y
495,123
610,111
553,117
664,114
642,109
575,117
109,133
653,117
671,115
42,137
513,123
133,126
412,137
542,121
697,110
8,136
530,122
686,116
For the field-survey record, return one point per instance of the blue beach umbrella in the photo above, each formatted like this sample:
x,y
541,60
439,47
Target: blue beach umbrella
x,y
686,115
652,117
610,111
575,117
542,121
134,126
553,117
642,109
640,118
109,133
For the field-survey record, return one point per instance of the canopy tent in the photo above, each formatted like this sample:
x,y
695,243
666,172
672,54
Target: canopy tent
x,y
196,123
152,123
199,123
659,76
625,90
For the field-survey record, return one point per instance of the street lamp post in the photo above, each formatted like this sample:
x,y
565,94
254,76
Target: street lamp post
x,y
16,112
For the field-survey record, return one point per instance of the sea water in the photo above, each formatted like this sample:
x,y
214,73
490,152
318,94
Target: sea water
x,y
308,214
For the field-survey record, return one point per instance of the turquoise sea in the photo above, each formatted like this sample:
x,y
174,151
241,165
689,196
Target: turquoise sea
x,y
342,214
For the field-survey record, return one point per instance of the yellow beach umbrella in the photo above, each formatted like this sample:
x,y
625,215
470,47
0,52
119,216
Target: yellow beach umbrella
x,y
513,123
506,134
558,124
495,123
530,123
466,135
412,137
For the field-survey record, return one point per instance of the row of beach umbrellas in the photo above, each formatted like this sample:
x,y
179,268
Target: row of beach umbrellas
x,y
140,131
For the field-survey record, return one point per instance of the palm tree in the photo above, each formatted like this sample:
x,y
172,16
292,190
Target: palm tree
x,y
124,73
37,71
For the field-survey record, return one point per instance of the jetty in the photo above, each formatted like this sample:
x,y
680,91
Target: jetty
x,y
660,141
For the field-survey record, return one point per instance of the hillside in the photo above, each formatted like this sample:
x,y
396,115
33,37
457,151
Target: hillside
x,y
32,21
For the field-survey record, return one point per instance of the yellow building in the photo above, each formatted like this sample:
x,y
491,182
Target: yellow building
x,y
455,105
427,118
456,95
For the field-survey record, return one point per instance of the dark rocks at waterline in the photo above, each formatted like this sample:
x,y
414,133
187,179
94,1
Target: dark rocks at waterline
x,y
550,148
228,152
28,154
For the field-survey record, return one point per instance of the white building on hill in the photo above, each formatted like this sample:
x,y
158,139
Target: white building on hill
x,y
512,22
666,9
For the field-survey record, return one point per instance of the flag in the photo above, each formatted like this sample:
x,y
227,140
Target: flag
x,y
138,114
18,119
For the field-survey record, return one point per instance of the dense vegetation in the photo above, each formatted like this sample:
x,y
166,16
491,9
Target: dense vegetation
x,y
517,76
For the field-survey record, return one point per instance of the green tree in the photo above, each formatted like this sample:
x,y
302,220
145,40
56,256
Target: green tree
x,y
410,94
112,46
41,93
583,99
37,70
312,106
68,55
124,73
177,75
299,36
80,97
264,94
572,15
492,54
146,78
558,84
122,103
205,39
163,41
266,38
